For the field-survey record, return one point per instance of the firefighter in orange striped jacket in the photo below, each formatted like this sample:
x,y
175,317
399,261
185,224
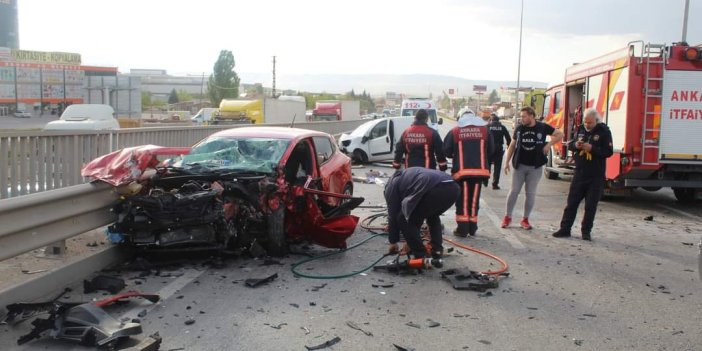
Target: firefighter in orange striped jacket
x,y
419,144
469,145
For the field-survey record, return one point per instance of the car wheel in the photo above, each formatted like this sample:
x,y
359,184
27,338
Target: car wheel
x,y
360,156
276,244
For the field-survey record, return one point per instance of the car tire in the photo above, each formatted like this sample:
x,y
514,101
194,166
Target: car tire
x,y
360,156
276,243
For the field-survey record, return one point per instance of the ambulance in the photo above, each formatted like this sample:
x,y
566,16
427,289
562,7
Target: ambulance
x,y
411,106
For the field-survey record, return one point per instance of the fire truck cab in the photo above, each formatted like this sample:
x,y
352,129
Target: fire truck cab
x,y
650,96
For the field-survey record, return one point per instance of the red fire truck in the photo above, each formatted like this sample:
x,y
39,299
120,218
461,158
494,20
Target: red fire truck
x,y
650,96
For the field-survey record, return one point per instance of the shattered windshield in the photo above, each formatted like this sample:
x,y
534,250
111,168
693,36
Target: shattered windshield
x,y
237,154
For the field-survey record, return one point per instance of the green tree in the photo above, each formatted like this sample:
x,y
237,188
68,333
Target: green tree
x,y
493,98
145,100
184,96
173,98
223,82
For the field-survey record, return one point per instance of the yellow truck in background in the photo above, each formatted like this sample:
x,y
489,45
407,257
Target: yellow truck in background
x,y
260,111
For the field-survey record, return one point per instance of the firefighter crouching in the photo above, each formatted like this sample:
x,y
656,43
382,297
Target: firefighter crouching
x,y
413,195
420,145
591,146
469,145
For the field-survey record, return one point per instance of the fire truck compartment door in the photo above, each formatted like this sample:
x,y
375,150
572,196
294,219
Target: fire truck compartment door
x,y
681,118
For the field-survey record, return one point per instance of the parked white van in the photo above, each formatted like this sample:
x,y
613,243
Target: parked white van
x,y
85,117
374,140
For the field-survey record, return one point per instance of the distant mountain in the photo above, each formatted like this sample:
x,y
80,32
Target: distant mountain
x,y
378,84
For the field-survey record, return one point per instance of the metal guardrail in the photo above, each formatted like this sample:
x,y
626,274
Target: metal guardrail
x,y
36,220
36,161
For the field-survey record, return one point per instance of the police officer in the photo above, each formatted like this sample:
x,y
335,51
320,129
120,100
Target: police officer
x,y
499,135
469,145
414,195
420,145
591,146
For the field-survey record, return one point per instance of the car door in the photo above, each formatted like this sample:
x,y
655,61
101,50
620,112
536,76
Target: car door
x,y
379,141
328,169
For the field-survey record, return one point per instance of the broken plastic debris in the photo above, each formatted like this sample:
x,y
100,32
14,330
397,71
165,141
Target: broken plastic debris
x,y
353,325
403,348
253,283
103,282
150,343
413,325
432,324
324,345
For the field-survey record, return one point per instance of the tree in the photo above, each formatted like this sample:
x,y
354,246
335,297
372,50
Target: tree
x,y
184,96
223,82
145,100
493,98
173,98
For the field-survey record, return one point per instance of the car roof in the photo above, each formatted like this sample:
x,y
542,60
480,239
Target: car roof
x,y
269,132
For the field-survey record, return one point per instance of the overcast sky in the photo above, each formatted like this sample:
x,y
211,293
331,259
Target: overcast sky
x,y
474,39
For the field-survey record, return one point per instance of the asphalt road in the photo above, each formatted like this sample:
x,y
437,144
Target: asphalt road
x,y
634,287
10,123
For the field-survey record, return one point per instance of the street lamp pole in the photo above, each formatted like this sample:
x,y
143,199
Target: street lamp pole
x,y
684,31
519,63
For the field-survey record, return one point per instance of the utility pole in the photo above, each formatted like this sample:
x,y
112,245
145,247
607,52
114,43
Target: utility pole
x,y
274,77
519,63
684,32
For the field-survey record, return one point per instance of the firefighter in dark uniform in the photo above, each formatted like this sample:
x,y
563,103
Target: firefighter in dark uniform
x,y
420,145
414,195
499,136
591,146
469,145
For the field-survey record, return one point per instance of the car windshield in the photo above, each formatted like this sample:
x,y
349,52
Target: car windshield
x,y
412,112
237,154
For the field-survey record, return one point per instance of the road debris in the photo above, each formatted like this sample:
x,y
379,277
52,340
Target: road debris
x,y
189,321
253,283
486,342
317,287
325,344
294,305
469,280
307,331
389,285
413,325
578,342
150,343
279,326
648,218
486,294
353,325
34,272
432,323
103,282
403,348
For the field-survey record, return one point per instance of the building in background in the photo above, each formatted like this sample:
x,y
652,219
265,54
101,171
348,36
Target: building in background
x,y
160,84
9,27
40,82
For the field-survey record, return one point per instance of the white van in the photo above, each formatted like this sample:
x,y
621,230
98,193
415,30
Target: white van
x,y
204,116
374,140
412,105
85,117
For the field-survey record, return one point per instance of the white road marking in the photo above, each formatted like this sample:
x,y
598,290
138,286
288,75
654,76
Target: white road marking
x,y
167,291
681,212
511,238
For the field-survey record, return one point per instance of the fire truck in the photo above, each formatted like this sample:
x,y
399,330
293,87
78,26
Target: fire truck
x,y
650,96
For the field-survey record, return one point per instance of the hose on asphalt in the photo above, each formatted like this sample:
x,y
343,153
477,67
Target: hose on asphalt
x,y
377,231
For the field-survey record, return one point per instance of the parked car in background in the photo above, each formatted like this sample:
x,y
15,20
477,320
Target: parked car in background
x,y
374,140
85,117
22,114
237,189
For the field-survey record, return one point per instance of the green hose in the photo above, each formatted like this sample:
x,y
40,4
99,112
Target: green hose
x,y
339,276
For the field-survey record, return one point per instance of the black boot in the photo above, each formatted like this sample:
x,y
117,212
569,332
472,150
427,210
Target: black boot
x,y
586,236
561,233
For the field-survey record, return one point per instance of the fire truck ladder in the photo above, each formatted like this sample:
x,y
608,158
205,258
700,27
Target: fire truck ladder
x,y
656,57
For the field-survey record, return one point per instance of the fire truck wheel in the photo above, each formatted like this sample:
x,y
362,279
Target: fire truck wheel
x,y
685,195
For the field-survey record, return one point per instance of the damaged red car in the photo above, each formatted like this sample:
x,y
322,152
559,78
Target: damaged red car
x,y
244,188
